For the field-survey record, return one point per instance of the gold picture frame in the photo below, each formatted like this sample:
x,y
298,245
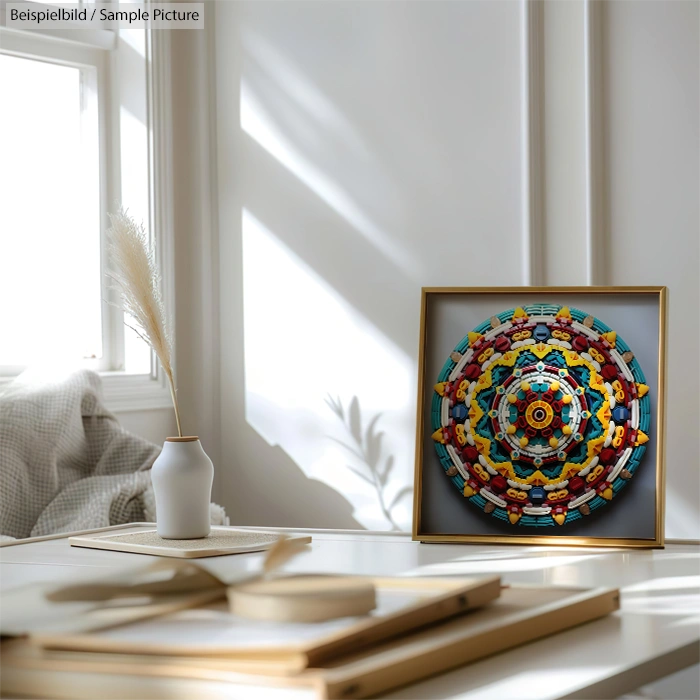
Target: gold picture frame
x,y
657,298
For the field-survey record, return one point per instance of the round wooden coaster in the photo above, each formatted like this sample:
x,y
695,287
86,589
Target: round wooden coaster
x,y
304,598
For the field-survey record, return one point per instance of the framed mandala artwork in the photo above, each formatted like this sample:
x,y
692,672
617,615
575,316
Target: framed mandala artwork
x,y
540,416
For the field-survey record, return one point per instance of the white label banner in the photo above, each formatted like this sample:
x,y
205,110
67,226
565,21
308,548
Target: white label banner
x,y
126,15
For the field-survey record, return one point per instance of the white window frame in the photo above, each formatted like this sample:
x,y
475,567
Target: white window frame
x,y
97,49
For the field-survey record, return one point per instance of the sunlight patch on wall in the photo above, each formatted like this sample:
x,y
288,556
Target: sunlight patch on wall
x,y
260,125
304,343
300,89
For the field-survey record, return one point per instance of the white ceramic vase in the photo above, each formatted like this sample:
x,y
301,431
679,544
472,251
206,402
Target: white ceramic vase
x,y
182,477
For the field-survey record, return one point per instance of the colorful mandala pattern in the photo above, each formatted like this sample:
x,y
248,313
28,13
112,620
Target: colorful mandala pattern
x,y
541,415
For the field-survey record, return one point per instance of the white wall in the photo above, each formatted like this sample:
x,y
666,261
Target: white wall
x,y
194,247
653,190
367,149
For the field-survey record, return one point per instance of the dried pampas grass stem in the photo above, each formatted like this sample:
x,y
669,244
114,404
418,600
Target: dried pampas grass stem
x,y
136,278
281,552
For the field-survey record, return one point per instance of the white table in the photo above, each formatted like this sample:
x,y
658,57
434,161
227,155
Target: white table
x,y
656,632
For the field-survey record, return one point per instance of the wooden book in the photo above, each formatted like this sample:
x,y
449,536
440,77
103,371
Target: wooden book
x,y
522,614
403,605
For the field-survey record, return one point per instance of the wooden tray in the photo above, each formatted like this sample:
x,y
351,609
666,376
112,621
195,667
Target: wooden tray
x,y
221,541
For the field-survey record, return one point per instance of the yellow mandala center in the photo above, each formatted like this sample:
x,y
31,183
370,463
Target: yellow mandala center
x,y
539,414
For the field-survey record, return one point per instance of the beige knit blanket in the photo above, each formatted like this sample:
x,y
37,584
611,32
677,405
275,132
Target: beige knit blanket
x,y
65,462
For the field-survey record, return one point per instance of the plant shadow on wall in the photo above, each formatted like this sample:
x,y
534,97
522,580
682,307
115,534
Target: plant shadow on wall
x,y
366,448
323,228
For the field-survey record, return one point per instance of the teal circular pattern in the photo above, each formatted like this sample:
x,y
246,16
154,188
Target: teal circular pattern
x,y
541,415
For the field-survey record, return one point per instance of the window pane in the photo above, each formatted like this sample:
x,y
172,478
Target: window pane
x,y
50,283
133,142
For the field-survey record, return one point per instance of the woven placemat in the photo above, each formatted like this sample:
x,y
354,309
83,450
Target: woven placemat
x,y
221,541
230,538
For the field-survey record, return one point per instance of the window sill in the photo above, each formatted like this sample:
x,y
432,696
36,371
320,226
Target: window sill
x,y
123,393
134,392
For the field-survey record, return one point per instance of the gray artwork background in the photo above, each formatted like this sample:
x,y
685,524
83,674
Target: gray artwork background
x,y
635,317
